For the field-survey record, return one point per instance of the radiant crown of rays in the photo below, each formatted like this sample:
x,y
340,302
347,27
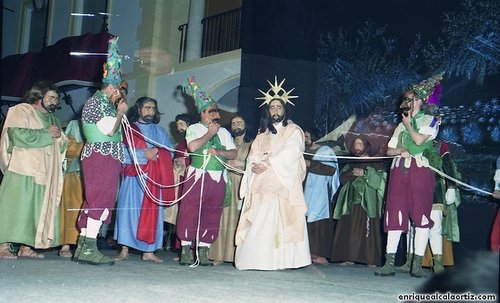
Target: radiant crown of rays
x,y
276,92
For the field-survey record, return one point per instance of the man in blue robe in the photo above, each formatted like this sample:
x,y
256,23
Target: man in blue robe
x,y
322,182
146,185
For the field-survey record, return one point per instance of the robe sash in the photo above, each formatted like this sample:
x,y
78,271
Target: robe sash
x,y
161,171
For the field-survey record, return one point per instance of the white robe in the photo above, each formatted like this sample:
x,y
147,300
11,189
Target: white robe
x,y
272,232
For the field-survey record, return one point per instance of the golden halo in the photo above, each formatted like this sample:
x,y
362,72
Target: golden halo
x,y
276,92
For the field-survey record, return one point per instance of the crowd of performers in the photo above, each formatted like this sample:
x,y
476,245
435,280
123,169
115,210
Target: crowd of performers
x,y
279,200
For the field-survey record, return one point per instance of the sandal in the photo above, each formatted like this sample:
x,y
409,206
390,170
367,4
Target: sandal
x,y
65,254
320,261
28,252
346,263
6,252
151,257
123,255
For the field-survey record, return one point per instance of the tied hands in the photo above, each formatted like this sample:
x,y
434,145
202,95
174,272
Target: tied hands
x,y
258,168
54,131
151,153
180,165
180,162
358,172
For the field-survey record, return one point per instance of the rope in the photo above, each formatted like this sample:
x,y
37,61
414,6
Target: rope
x,y
239,171
442,174
143,177
129,132
351,157
197,242
458,181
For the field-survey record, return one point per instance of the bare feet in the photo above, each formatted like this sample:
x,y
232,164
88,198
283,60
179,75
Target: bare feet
x,y
320,261
123,255
5,252
28,252
346,263
65,252
149,256
217,262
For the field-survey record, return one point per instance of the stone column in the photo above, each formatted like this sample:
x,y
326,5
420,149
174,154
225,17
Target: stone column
x,y
195,29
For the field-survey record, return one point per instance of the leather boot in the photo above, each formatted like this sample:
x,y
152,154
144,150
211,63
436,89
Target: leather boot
x,y
78,249
437,264
90,254
203,256
186,255
416,267
388,268
407,266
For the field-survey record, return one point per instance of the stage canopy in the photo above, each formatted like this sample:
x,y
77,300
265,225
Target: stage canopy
x,y
71,61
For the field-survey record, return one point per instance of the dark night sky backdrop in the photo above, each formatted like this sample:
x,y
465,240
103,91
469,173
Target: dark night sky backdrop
x,y
280,37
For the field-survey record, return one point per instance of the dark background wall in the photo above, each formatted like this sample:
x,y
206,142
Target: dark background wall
x,y
279,39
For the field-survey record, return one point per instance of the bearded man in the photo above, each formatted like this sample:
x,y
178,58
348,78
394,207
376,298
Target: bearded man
x,y
181,157
358,236
181,161
139,218
32,150
322,183
272,232
222,250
